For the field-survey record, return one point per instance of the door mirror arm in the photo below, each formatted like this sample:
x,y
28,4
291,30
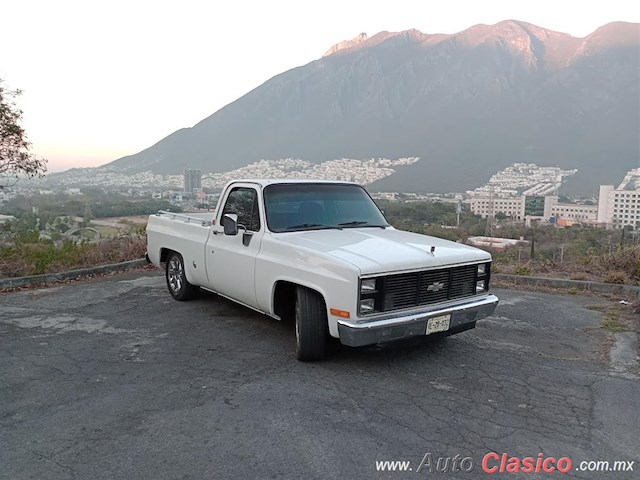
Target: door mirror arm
x,y
231,225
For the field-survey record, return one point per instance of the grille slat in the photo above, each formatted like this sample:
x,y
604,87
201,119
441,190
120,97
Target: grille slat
x,y
430,286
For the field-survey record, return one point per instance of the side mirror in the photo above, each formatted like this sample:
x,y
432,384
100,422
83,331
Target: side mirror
x,y
230,221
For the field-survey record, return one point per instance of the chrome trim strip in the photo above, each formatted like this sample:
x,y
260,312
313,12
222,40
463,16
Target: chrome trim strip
x,y
453,306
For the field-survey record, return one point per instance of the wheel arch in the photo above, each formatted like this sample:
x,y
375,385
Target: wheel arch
x,y
164,254
283,297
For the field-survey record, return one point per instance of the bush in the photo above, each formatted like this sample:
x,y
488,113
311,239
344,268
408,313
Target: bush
x,y
623,264
522,270
616,277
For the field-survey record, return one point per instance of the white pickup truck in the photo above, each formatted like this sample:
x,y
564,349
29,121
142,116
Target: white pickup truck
x,y
322,253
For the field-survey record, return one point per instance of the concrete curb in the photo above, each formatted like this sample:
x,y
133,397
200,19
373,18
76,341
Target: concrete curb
x,y
17,282
565,283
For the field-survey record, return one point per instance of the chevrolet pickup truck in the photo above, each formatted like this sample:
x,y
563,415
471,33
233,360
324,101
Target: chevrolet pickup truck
x,y
322,254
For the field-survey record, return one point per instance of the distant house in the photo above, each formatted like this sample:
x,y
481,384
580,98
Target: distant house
x,y
496,243
6,218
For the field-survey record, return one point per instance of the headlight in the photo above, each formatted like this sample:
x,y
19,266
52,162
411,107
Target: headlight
x,y
367,305
368,286
480,286
482,269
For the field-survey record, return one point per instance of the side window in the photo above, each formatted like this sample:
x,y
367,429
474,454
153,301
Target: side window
x,y
243,202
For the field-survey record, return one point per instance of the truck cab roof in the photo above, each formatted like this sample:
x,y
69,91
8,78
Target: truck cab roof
x,y
263,182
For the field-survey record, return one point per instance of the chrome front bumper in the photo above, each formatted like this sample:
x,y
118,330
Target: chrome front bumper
x,y
395,328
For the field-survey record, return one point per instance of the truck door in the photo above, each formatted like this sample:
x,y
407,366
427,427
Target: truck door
x,y
231,259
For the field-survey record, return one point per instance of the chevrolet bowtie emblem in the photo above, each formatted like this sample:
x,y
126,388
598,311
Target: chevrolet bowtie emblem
x,y
435,287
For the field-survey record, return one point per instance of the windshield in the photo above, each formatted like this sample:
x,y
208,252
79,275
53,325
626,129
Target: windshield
x,y
309,206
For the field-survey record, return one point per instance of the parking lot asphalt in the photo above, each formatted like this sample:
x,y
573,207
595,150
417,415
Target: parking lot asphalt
x,y
113,379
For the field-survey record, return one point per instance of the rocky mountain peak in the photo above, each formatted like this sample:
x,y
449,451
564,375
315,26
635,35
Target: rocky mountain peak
x,y
507,32
615,34
346,44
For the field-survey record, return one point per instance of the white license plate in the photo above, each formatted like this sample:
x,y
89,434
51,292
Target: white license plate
x,y
438,324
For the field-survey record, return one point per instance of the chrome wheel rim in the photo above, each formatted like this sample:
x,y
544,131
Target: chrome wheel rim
x,y
175,275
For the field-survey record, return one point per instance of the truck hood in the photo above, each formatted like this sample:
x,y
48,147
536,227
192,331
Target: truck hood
x,y
376,250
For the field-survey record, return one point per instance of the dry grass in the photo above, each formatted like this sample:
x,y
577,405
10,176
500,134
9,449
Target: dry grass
x,y
620,267
37,258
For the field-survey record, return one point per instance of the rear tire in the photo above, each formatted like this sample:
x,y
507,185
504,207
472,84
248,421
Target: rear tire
x,y
311,325
179,287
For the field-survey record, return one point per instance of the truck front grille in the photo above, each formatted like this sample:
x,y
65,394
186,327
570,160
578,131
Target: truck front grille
x,y
424,288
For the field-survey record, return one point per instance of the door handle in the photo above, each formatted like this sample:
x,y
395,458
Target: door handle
x,y
246,238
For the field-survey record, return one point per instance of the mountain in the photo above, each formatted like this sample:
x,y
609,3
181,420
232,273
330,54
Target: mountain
x,y
468,104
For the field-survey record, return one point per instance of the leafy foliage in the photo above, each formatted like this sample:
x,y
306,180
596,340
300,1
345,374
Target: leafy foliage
x,y
15,157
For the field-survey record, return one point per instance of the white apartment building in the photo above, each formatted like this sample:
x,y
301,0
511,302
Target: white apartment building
x,y
515,207
570,211
485,206
619,207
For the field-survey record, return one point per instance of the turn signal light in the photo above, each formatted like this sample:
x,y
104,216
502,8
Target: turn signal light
x,y
340,313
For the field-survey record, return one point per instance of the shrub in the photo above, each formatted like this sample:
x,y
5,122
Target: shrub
x,y
622,265
522,270
616,277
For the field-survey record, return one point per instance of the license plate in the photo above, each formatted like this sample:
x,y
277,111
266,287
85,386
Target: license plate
x,y
438,324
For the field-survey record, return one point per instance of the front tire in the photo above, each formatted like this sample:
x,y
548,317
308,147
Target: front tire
x,y
311,325
179,287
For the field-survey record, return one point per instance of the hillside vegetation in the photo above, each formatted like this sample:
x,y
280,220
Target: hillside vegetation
x,y
31,246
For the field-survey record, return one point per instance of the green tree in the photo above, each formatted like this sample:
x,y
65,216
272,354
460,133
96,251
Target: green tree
x,y
15,157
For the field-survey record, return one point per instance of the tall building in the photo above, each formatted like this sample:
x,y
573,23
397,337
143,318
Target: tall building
x,y
192,180
620,207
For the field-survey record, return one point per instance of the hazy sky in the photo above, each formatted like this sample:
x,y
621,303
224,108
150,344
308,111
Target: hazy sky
x,y
107,79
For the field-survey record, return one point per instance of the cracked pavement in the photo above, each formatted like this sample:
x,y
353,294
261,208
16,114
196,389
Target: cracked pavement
x,y
111,378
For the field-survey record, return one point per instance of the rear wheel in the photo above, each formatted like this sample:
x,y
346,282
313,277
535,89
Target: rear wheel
x,y
179,287
311,325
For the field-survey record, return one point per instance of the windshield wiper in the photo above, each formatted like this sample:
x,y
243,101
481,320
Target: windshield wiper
x,y
360,223
317,226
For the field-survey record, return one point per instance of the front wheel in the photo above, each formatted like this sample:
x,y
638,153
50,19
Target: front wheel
x,y
311,325
179,287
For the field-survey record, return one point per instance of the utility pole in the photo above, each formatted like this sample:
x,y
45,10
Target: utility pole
x,y
533,240
88,215
491,214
